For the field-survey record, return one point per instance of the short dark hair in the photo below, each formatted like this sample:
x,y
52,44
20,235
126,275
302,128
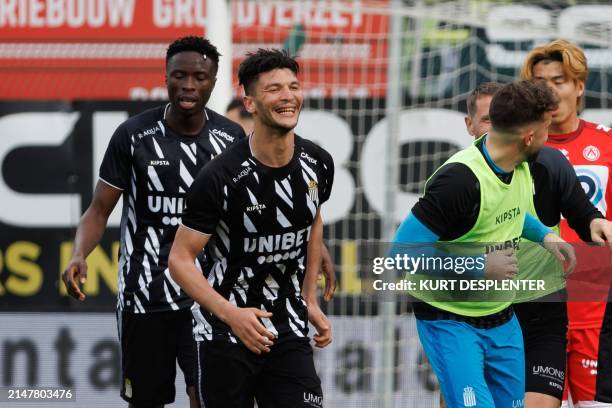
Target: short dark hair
x,y
239,104
192,43
264,60
484,89
520,103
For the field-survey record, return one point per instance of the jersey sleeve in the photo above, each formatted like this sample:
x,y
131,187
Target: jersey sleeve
x,y
328,175
205,201
116,165
451,203
572,200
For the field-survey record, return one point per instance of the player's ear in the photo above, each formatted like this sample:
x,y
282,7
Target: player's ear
x,y
528,136
468,124
249,104
580,86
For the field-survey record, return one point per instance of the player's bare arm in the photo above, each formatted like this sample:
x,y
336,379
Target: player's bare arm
x,y
309,290
89,232
244,322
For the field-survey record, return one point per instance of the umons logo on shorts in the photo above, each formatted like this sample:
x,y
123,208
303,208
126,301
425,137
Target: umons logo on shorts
x,y
548,372
469,397
313,400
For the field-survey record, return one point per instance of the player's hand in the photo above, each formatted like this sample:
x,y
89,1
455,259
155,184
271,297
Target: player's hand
x,y
245,324
501,265
321,324
561,250
601,231
75,273
328,271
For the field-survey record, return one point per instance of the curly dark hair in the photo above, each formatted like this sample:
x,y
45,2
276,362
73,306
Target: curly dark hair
x,y
192,43
264,60
520,103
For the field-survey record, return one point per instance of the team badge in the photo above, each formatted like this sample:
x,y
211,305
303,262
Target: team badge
x,y
469,397
591,153
313,191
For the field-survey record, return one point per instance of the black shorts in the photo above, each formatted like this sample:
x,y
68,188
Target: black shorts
x,y
544,326
151,344
231,376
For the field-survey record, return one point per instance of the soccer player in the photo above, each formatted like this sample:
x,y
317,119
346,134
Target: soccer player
x,y
477,120
476,348
256,210
151,161
544,325
238,113
588,146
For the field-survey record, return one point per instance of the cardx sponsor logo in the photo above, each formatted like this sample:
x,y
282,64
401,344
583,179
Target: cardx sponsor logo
x,y
222,134
305,155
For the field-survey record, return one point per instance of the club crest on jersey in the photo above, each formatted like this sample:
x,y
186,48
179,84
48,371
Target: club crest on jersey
x,y
313,191
591,153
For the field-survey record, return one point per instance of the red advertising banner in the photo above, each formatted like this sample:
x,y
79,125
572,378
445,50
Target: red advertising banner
x,y
114,49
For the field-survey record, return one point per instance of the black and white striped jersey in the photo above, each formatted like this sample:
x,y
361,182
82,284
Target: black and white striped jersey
x,y
259,219
155,166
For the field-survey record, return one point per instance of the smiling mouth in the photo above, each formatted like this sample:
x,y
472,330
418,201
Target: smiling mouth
x,y
286,111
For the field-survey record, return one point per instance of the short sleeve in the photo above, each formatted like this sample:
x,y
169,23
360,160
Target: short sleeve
x,y
205,201
328,175
116,165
